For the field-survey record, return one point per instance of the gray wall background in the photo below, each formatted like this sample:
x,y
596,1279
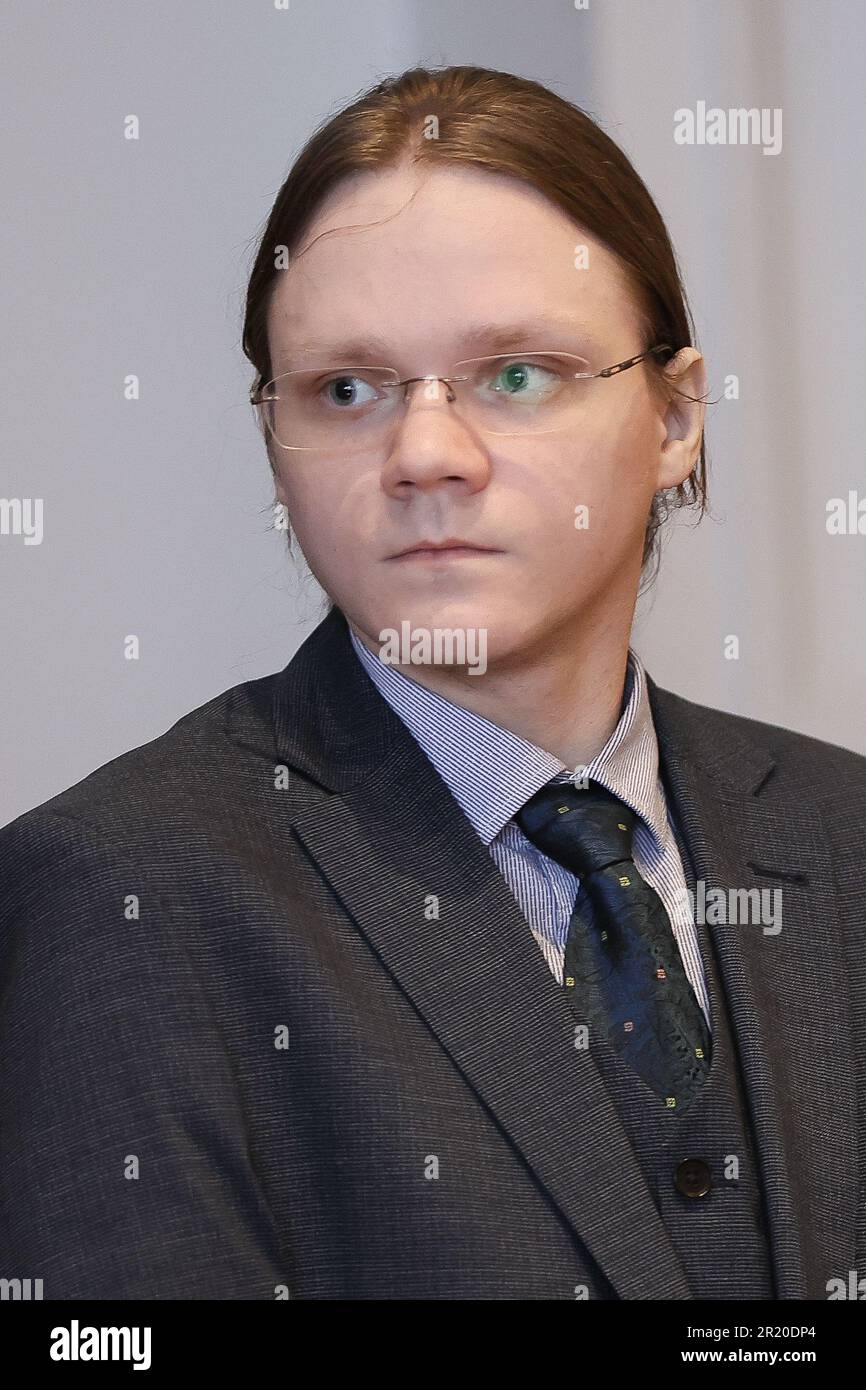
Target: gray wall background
x,y
131,257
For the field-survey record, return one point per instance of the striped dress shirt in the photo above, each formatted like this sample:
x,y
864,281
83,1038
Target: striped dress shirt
x,y
491,772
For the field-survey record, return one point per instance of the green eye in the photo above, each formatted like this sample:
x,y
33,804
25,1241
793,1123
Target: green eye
x,y
515,376
520,378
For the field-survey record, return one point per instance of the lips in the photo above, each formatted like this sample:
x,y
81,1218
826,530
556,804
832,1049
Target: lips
x,y
451,545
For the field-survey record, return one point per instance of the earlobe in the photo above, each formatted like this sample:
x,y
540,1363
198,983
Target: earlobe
x,y
675,466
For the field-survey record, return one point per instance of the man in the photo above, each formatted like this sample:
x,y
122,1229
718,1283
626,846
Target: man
x,y
369,982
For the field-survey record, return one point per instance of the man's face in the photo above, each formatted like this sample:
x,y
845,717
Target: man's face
x,y
469,248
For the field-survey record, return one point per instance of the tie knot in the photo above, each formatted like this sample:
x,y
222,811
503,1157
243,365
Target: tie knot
x,y
583,828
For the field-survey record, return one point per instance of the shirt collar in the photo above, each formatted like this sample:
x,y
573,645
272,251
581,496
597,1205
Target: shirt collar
x,y
492,772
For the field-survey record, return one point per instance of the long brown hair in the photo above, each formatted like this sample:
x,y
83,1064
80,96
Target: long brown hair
x,y
508,125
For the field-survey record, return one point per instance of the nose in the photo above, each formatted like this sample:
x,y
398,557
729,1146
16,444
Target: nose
x,y
431,445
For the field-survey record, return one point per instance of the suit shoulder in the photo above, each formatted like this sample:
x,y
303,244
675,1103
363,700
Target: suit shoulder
x,y
824,768
160,776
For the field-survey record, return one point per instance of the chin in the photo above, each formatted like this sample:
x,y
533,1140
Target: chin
x,y
440,611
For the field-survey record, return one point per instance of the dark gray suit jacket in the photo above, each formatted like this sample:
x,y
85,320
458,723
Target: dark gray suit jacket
x,y
240,1057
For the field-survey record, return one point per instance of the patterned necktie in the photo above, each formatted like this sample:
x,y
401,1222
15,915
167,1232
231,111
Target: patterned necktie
x,y
623,971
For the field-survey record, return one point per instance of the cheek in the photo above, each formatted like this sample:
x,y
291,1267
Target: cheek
x,y
589,472
333,514
602,486
322,501
624,455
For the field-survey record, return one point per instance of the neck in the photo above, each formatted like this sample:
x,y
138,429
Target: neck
x,y
564,697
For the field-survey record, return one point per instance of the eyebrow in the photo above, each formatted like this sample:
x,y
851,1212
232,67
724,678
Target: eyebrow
x,y
542,334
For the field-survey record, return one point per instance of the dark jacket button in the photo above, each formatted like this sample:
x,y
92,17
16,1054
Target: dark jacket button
x,y
693,1178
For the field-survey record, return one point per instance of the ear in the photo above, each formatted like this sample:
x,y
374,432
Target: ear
x,y
683,419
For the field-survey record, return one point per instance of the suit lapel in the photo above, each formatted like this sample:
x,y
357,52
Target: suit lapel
x,y
786,993
410,871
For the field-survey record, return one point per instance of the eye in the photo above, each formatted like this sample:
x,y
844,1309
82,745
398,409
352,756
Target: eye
x,y
349,390
520,377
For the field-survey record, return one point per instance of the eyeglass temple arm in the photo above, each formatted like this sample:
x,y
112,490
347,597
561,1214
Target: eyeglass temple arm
x,y
633,361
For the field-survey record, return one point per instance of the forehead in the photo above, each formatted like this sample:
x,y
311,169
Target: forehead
x,y
416,257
